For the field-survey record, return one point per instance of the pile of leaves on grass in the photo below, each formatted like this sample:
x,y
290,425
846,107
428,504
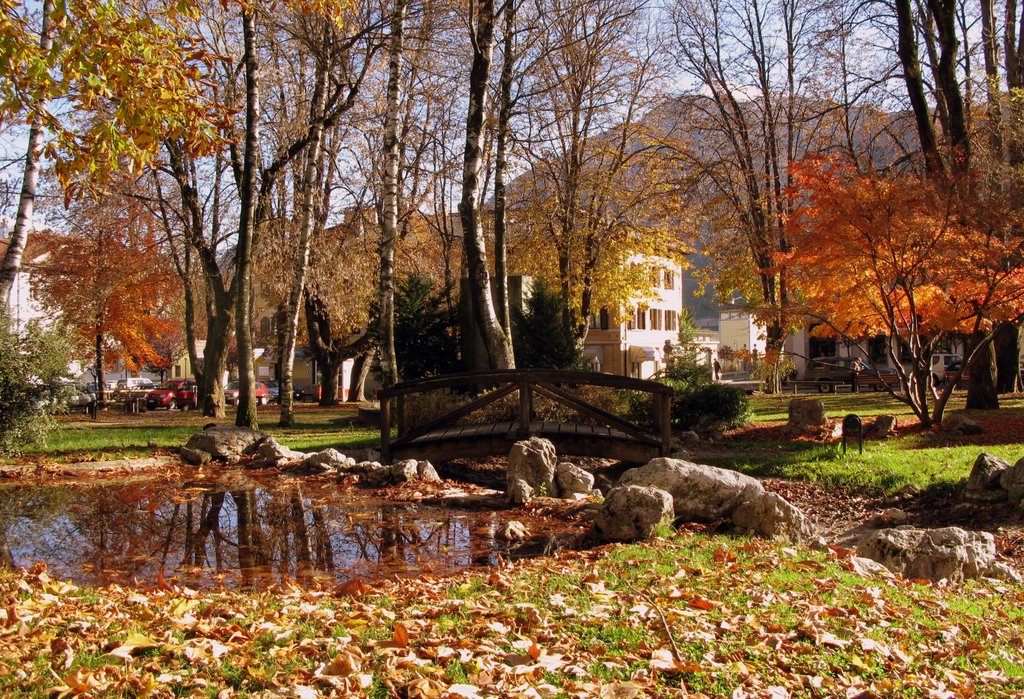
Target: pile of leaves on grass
x,y
693,615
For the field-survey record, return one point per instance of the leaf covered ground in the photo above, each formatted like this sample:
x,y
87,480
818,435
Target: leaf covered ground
x,y
691,615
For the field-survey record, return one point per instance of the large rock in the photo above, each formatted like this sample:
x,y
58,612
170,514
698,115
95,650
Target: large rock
x,y
632,512
884,425
532,461
771,515
805,413
426,471
404,471
933,554
572,480
699,493
518,492
1012,481
272,451
226,442
327,460
963,426
195,457
983,483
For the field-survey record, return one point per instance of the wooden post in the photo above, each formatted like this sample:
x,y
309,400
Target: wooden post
x,y
663,421
385,429
525,403
403,417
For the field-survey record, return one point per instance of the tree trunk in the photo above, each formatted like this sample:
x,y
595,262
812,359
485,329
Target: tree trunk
x,y
1007,348
389,214
500,166
309,182
496,341
357,384
981,376
907,51
101,385
26,203
330,370
246,413
215,363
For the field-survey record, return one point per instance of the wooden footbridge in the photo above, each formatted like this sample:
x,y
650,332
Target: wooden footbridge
x,y
556,405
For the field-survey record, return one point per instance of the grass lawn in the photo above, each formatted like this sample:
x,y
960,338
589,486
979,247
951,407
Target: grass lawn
x,y
116,434
933,460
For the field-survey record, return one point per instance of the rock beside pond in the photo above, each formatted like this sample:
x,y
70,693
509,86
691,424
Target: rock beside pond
x,y
699,493
223,443
632,512
426,471
195,457
404,471
531,470
704,493
947,553
573,480
268,449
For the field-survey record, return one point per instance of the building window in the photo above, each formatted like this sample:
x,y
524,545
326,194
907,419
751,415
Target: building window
x,y
670,279
605,322
594,322
656,278
671,320
655,319
640,319
177,371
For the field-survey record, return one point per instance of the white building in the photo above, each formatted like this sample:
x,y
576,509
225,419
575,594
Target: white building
x,y
635,344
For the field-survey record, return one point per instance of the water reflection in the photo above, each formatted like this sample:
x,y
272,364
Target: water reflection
x,y
225,534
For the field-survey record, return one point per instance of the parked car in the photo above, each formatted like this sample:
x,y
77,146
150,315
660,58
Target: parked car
x,y
165,396
830,372
187,394
274,386
940,365
231,393
80,397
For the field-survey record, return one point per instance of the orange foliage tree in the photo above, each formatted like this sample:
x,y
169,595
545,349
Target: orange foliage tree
x,y
110,282
905,257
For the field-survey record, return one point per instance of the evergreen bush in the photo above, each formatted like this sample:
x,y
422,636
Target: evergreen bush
x,y
32,365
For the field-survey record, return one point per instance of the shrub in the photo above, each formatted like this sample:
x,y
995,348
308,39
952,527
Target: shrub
x,y
541,340
426,342
704,405
32,363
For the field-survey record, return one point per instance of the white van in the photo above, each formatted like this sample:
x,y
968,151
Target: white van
x,y
135,382
939,362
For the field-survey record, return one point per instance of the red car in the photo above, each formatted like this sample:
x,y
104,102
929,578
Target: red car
x,y
187,395
165,396
231,393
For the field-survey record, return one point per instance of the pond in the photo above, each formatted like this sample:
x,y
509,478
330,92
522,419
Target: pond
x,y
238,532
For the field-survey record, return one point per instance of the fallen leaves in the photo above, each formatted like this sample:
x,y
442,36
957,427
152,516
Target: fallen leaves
x,y
697,616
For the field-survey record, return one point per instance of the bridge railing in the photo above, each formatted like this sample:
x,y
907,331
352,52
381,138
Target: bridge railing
x,y
550,384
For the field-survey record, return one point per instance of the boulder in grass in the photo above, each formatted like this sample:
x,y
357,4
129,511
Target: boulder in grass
x,y
1012,481
632,513
771,515
805,414
948,553
983,485
699,493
